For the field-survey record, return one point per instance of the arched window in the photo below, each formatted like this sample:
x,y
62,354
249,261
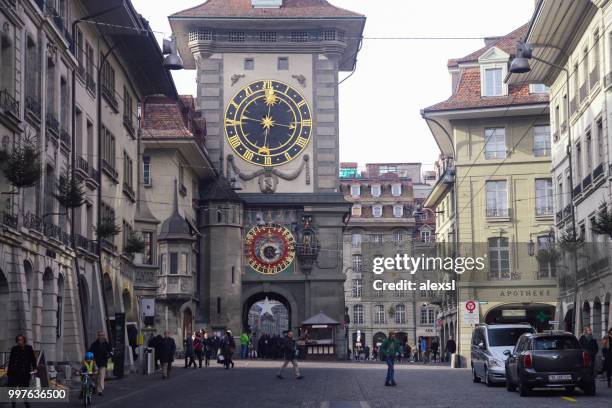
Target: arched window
x,y
400,314
358,314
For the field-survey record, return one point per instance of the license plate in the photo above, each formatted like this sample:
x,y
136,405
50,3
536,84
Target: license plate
x,y
559,377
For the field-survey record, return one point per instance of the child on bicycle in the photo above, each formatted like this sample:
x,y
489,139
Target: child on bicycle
x,y
88,369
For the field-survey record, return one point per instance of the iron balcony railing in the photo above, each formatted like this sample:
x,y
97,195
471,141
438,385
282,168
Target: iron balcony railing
x,y
129,124
598,172
32,105
577,190
567,211
83,165
544,210
32,221
497,212
594,77
8,103
52,124
10,220
586,182
559,216
65,137
90,83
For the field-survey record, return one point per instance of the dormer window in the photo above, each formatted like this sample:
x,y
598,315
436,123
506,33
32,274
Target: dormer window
x,y
493,85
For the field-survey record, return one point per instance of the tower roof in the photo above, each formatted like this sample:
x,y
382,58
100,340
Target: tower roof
x,y
175,227
244,9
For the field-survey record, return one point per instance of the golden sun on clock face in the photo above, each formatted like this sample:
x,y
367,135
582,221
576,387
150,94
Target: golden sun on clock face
x,y
268,123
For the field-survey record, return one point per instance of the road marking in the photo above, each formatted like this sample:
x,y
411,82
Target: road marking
x,y
570,399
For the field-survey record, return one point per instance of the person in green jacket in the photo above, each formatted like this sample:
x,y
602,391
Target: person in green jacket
x,y
244,345
389,349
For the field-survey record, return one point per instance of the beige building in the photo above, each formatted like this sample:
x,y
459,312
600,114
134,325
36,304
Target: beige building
x,y
581,148
494,194
71,82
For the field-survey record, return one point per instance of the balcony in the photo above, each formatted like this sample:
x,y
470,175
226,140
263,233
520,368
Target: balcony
x,y
110,171
577,191
586,183
598,172
52,125
175,287
129,192
10,220
573,106
94,174
567,211
594,78
33,221
9,104
129,125
559,217
90,83
32,106
65,139
109,95
85,244
82,166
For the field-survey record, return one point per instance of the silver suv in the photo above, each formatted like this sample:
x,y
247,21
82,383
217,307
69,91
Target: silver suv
x,y
489,342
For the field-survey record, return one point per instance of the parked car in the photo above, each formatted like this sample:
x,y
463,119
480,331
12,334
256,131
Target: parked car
x,y
551,359
489,342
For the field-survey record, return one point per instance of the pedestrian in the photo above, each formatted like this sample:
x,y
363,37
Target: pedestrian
x,y
589,344
207,349
388,350
102,351
606,345
367,353
167,349
450,349
244,345
408,352
290,354
434,350
228,348
189,351
198,348
423,348
155,343
22,363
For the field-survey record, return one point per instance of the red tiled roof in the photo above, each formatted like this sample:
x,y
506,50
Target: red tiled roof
x,y
165,118
243,8
468,91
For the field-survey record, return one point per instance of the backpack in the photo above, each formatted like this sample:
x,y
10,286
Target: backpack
x,y
197,345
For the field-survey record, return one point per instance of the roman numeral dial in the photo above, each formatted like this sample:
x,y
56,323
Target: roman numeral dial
x,y
268,123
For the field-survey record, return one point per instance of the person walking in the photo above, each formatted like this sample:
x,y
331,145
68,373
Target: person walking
x,y
228,348
450,348
589,344
155,343
244,345
206,348
189,351
102,351
290,354
424,350
606,345
388,350
167,349
198,348
22,362
434,350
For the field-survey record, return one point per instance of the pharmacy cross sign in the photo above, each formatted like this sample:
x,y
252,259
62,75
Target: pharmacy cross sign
x,y
542,317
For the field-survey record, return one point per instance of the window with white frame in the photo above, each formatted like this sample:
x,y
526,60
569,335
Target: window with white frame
x,y
541,141
379,314
356,239
146,170
358,314
377,211
398,210
357,287
396,190
377,239
497,198
400,314
427,315
495,143
355,190
499,258
356,210
398,237
426,235
544,196
539,89
493,85
375,190
357,263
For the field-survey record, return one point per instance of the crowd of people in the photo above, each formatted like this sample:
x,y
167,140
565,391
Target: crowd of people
x,y
426,352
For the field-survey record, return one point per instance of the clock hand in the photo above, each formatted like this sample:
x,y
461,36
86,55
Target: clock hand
x,y
265,149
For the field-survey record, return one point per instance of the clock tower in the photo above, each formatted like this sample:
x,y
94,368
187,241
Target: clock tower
x,y
267,76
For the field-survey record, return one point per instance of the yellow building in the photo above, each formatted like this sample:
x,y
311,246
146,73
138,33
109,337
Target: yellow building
x,y
494,193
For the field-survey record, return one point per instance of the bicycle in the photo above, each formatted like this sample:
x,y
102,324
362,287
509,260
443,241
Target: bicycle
x,y
87,388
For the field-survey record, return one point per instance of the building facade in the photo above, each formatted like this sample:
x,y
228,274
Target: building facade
x,y
71,83
386,219
494,193
267,76
581,155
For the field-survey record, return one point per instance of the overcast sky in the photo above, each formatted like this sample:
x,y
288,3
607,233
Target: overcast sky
x,y
380,104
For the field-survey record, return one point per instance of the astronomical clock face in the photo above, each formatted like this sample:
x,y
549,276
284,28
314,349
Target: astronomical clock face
x,y
268,123
271,248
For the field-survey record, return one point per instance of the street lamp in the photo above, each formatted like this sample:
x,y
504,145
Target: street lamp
x,y
173,60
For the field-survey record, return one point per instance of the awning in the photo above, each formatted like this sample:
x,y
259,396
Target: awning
x,y
555,28
319,319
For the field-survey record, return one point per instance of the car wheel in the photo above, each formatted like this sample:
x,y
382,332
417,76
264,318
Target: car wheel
x,y
589,388
487,380
510,387
523,388
475,378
